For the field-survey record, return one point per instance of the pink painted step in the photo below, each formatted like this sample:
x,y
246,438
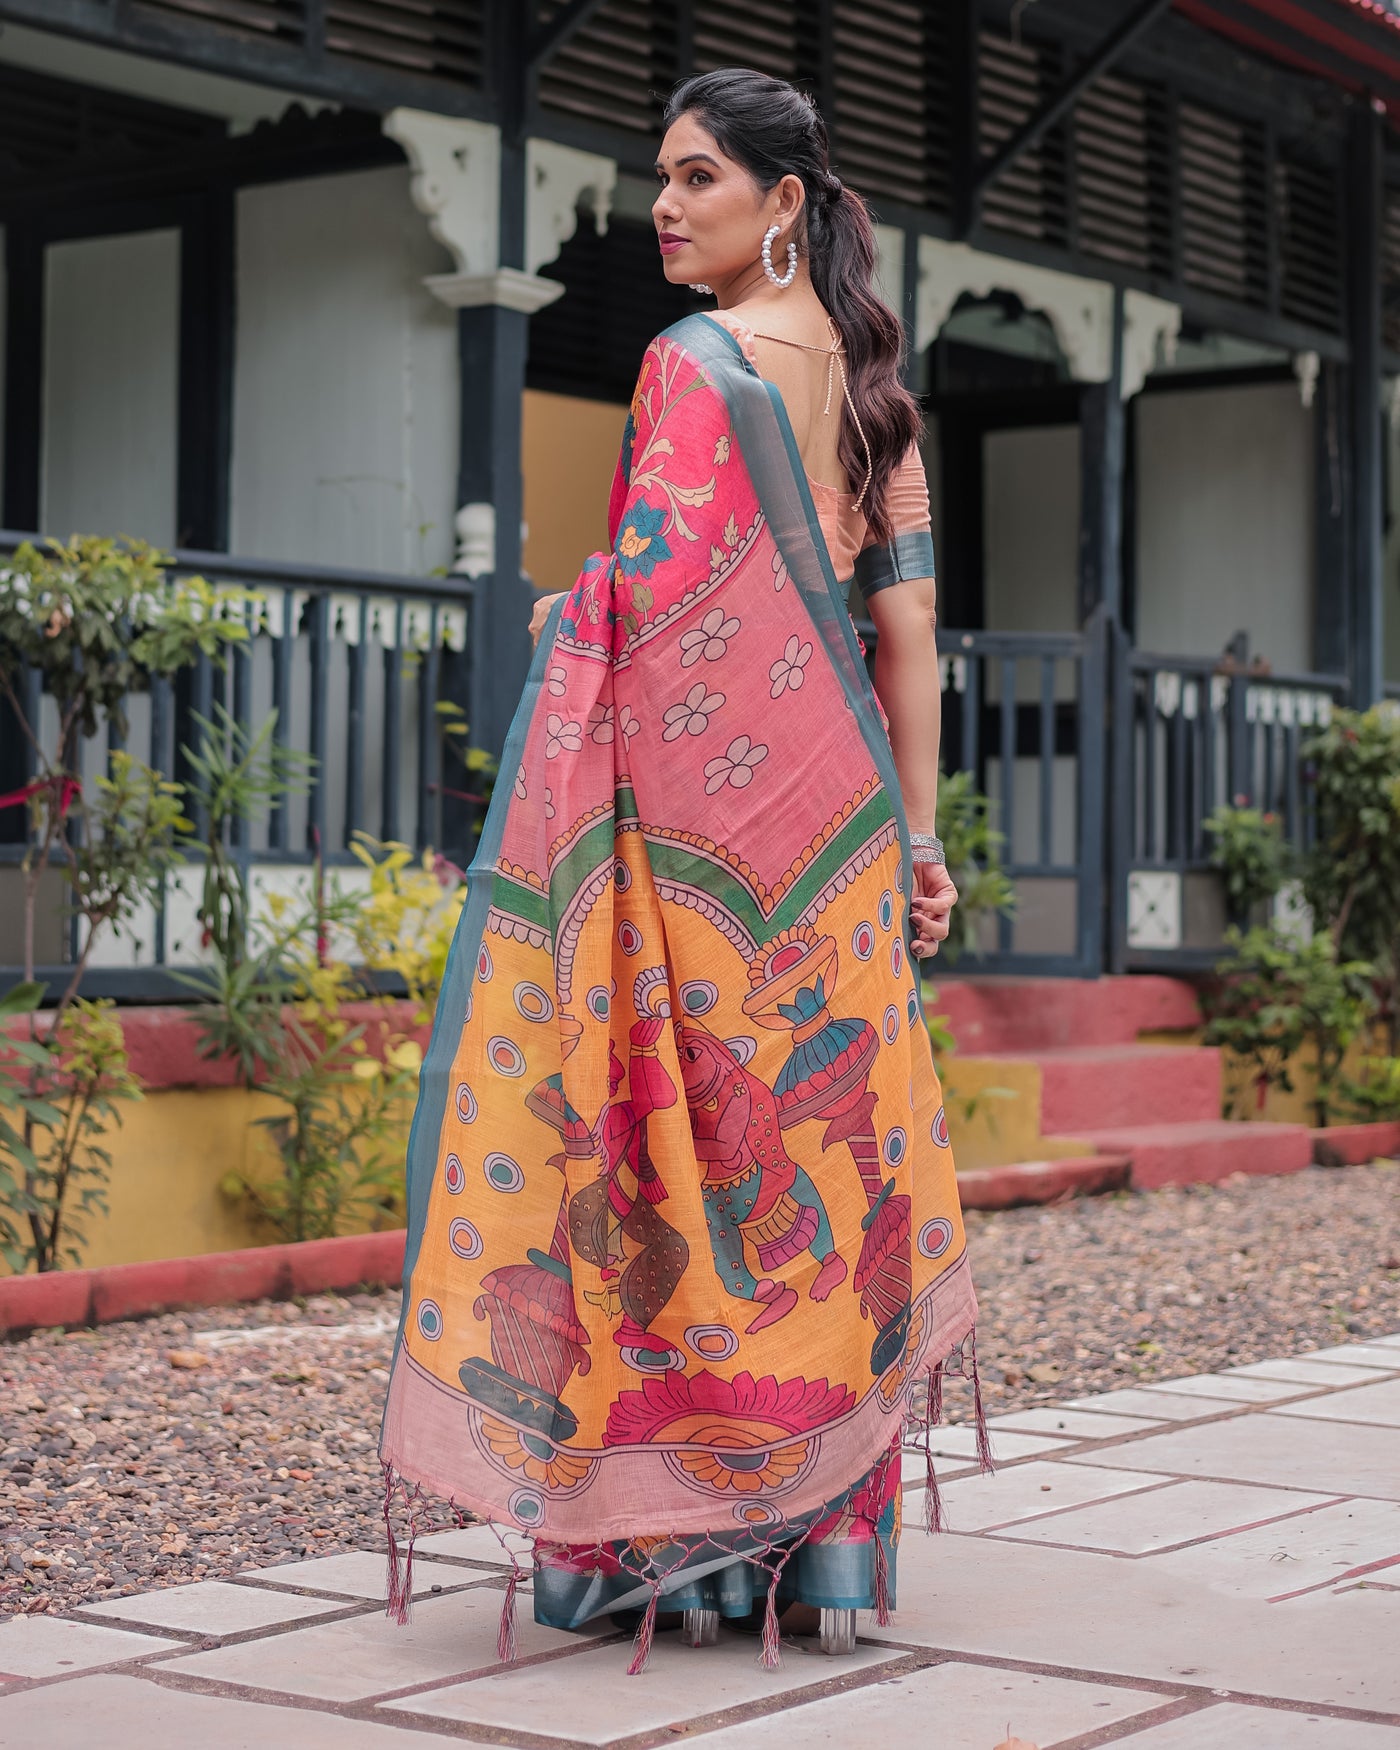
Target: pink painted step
x,y
990,1015
1089,1087
1042,1181
1205,1151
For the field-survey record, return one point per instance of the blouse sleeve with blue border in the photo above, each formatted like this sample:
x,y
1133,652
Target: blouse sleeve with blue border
x,y
909,551
887,562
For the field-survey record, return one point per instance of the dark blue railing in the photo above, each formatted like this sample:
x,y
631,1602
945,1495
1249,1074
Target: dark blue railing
x,y
354,664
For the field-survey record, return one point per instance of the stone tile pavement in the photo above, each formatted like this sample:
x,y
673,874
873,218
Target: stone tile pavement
x,y
1208,1564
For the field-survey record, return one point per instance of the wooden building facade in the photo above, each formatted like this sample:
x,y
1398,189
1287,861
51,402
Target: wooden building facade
x,y
344,297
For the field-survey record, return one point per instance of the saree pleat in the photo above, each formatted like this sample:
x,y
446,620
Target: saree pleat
x,y
683,1221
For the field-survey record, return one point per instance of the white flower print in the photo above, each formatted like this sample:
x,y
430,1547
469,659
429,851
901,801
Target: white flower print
x,y
709,639
558,681
602,726
736,767
692,715
548,803
561,736
787,673
628,722
520,784
780,571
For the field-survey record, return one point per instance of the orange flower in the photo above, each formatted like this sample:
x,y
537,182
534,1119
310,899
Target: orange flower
x,y
534,1456
745,1470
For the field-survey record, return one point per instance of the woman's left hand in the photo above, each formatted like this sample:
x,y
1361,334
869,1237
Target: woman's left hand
x,y
541,614
934,897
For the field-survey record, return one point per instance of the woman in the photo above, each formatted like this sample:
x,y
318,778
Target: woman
x,y
683,1225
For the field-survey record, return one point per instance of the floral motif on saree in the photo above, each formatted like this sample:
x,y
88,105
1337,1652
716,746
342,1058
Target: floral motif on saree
x,y
683,1222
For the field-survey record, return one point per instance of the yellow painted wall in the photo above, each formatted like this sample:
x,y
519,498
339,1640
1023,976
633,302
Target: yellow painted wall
x,y
169,1157
1279,1107
993,1108
568,453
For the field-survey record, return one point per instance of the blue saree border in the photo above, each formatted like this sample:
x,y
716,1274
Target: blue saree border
x,y
457,977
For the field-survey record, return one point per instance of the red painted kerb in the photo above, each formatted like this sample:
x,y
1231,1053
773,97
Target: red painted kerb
x,y
127,1291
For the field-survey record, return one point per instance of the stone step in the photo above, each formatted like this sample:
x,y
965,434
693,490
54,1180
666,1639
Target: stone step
x,y
1089,1087
990,1015
1203,1152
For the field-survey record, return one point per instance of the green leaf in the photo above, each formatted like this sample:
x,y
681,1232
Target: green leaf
x,y
21,999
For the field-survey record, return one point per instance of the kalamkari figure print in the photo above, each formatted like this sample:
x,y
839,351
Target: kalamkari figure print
x,y
679,1085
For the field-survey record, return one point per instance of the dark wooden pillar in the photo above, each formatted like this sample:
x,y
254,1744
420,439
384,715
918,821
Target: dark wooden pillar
x,y
1366,151
1332,546
1104,845
207,280
24,375
959,94
492,344
1102,451
493,341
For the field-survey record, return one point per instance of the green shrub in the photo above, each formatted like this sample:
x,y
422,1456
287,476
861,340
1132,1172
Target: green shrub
x,y
1254,858
1275,996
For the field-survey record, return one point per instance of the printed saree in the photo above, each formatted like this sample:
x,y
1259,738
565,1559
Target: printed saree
x,y
683,1228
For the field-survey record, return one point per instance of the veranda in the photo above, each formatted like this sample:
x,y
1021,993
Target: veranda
x,y
291,286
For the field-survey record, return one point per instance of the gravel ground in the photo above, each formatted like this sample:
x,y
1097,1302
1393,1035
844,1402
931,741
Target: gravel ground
x,y
182,1448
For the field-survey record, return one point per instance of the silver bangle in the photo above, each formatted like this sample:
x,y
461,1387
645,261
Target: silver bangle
x,y
926,847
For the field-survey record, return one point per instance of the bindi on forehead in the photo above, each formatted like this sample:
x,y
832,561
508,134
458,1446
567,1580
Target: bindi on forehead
x,y
689,158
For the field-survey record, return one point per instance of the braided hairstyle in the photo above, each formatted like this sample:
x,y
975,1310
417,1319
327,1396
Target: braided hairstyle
x,y
772,130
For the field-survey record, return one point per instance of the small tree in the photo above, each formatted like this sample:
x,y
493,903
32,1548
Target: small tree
x,y
973,848
92,622
1254,858
1352,875
1275,996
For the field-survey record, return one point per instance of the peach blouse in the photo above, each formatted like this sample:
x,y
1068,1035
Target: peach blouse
x,y
853,549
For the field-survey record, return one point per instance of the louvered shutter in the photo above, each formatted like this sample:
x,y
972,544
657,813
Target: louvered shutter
x,y
1390,270
590,342
762,34
438,38
889,125
1122,198
617,68
1224,230
1013,81
1306,203
278,20
48,124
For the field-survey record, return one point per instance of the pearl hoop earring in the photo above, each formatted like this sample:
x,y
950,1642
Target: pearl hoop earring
x,y
791,274
704,290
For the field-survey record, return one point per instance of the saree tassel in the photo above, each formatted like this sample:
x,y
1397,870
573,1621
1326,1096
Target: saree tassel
x,y
933,1501
933,1414
398,1585
646,1633
771,1656
505,1633
882,1585
985,1461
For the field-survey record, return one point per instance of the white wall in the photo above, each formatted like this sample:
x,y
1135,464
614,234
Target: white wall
x,y
1031,529
111,359
1225,522
345,388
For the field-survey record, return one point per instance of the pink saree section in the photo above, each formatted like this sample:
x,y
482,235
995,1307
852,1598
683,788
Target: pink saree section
x,y
684,1227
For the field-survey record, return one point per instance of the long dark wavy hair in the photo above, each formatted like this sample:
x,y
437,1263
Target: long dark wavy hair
x,y
773,130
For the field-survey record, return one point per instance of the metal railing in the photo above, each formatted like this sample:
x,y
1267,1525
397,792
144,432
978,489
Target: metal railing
x,y
1024,713
1191,735
354,664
